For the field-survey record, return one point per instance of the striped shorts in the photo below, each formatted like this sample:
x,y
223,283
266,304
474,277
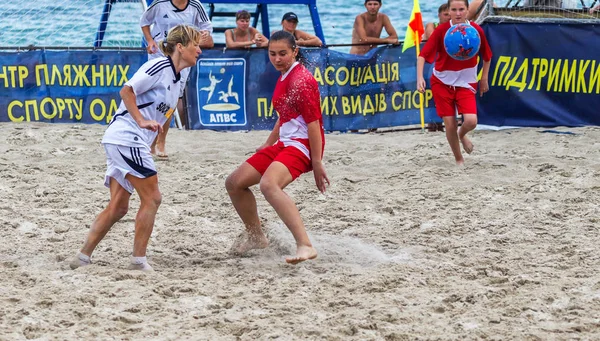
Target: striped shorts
x,y
123,160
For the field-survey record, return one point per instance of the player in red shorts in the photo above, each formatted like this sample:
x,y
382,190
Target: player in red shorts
x,y
454,82
295,146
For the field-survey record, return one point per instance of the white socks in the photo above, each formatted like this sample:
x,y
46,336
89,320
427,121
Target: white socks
x,y
140,263
80,260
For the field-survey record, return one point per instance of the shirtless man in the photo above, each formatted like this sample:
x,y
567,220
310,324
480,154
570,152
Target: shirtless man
x,y
368,27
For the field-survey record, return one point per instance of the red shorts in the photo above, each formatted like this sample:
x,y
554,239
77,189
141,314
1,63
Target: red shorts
x,y
295,161
447,97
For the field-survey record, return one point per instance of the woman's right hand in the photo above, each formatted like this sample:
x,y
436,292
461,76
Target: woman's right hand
x,y
150,125
421,84
261,147
152,48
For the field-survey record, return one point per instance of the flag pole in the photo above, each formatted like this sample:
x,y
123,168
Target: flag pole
x,y
422,112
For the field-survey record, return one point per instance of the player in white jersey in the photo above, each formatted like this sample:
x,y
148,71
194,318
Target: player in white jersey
x,y
163,15
148,100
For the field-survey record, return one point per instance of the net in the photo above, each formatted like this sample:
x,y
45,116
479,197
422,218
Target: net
x,y
548,11
69,23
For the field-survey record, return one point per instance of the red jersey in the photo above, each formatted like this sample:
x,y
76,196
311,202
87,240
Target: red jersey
x,y
461,73
298,103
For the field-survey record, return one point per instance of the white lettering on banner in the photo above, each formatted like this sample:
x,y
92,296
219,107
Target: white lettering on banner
x,y
223,118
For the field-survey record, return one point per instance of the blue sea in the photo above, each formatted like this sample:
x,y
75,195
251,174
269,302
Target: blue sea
x,y
74,23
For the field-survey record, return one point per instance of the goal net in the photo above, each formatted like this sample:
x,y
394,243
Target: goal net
x,y
69,23
548,11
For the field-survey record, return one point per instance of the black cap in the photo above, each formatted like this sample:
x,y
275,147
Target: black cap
x,y
290,16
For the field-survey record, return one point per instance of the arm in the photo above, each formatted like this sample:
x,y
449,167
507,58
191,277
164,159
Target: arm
x,y
273,137
152,48
391,31
129,99
235,44
483,83
207,40
316,155
260,40
420,79
595,9
307,39
428,30
359,27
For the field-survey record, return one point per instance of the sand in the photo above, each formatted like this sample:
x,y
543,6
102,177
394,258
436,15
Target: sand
x,y
411,247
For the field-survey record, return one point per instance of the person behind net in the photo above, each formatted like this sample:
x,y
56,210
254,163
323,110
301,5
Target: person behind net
x,y
148,100
443,16
244,35
162,16
289,23
368,27
454,82
294,146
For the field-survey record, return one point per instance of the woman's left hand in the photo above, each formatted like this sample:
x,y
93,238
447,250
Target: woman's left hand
x,y
321,178
483,86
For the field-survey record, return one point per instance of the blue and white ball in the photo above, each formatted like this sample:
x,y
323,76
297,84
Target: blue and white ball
x,y
462,42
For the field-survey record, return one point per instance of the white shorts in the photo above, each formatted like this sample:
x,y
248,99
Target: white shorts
x,y
122,160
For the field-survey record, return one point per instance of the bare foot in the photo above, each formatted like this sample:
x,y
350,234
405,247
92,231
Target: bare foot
x,y
302,253
467,145
460,163
160,152
249,242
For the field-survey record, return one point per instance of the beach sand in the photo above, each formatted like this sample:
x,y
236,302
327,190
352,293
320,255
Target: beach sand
x,y
410,246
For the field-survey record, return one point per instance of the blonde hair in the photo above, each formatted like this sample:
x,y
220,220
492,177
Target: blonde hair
x,y
180,34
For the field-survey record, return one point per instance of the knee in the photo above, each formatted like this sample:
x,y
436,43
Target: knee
x,y
153,200
157,199
119,210
267,186
470,122
230,184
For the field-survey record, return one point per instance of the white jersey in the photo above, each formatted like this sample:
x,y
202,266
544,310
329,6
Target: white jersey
x,y
163,15
156,86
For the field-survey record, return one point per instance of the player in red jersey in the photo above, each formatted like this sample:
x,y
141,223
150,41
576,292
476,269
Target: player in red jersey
x,y
295,146
454,82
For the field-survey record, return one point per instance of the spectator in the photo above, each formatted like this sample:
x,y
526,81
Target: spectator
x,y
368,26
244,36
289,22
164,15
443,16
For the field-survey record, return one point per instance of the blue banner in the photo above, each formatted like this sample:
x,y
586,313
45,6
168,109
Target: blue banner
x,y
542,75
357,92
64,86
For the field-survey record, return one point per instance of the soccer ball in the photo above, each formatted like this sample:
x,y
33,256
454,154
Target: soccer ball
x,y
462,42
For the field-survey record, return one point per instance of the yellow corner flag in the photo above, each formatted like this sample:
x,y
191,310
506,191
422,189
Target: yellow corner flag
x,y
415,29
413,35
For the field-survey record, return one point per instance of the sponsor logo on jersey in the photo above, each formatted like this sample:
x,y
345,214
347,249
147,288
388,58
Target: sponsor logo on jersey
x,y
162,107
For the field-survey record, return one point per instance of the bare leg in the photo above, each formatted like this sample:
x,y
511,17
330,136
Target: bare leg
x,y
452,137
158,146
238,187
116,209
469,123
150,199
275,179
182,111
